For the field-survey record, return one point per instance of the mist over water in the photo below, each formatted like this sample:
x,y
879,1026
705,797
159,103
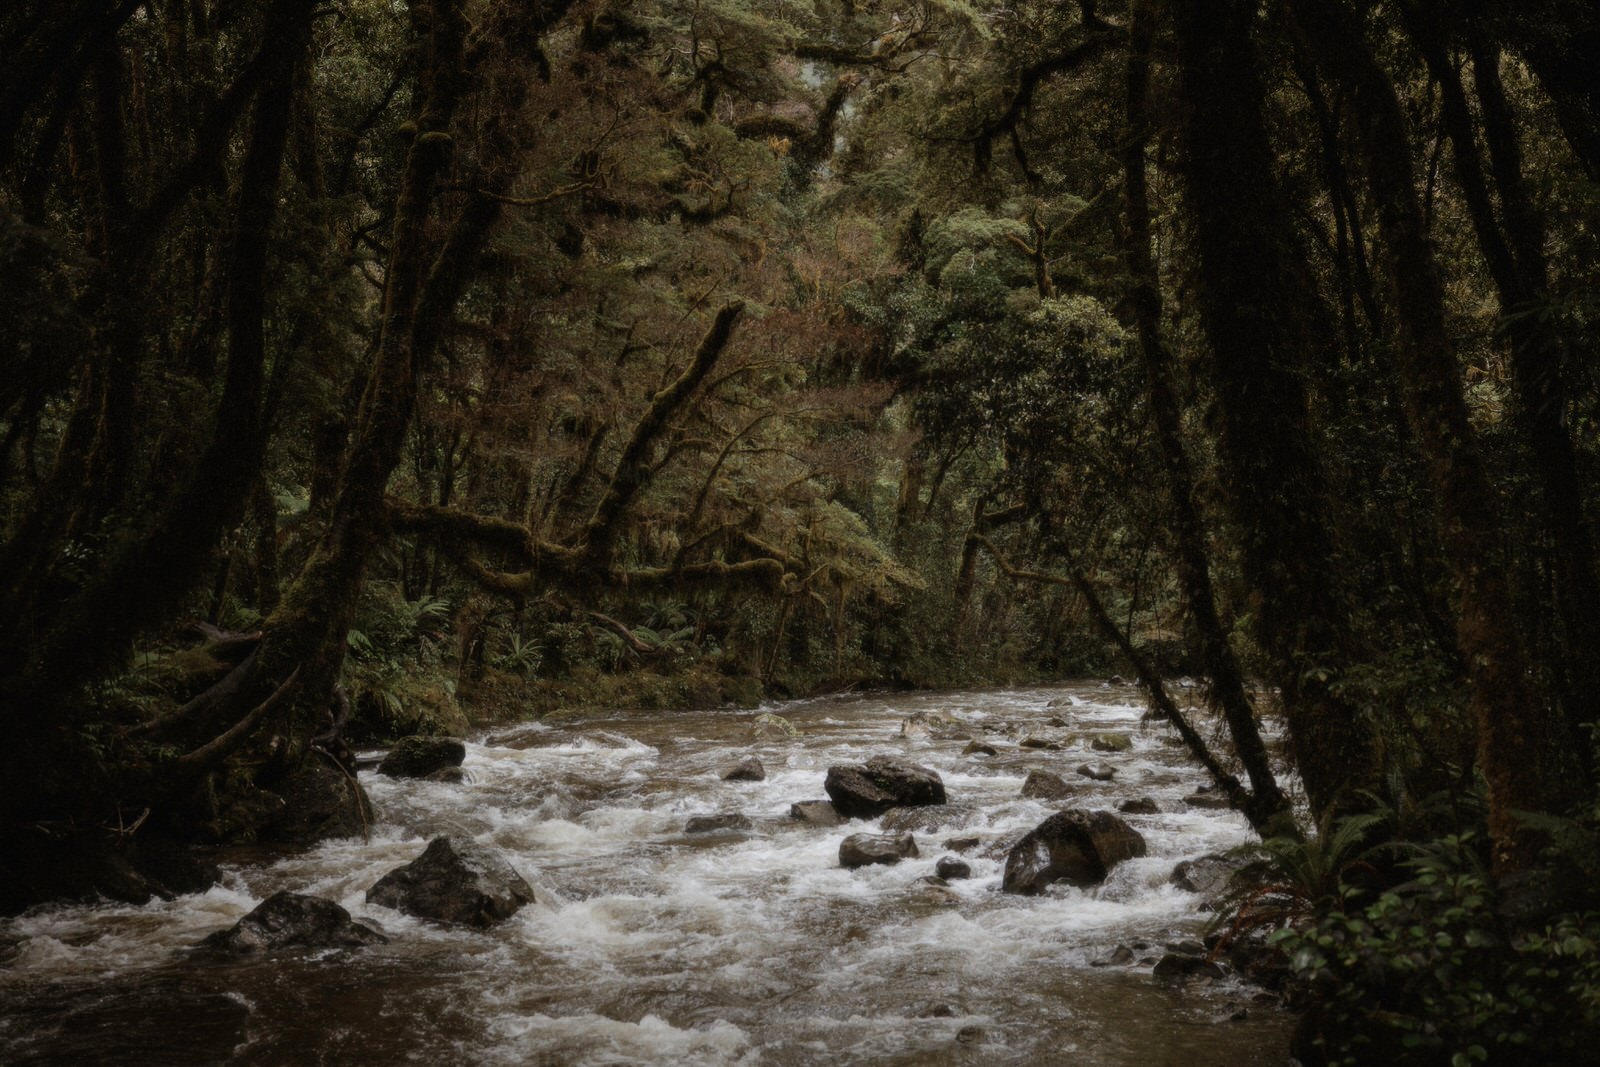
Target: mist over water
x,y
650,946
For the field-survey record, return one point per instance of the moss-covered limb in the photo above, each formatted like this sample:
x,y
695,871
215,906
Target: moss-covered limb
x,y
1099,39
181,773
631,473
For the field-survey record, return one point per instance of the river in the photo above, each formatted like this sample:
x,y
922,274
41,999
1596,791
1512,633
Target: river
x,y
652,946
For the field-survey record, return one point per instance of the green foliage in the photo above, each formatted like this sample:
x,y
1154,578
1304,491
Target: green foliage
x,y
1428,973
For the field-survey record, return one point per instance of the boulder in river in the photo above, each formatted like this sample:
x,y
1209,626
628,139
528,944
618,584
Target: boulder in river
x,y
1186,965
864,850
1111,743
1078,847
769,726
748,769
318,802
980,748
1139,806
815,812
1120,956
883,782
962,844
1100,772
933,726
1207,799
292,920
454,882
1207,875
418,757
949,868
930,819
1042,785
1039,743
449,775
710,824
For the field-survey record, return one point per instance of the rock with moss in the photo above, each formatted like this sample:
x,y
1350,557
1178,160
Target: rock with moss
x,y
292,920
1076,847
868,790
1111,743
318,802
454,882
866,850
418,757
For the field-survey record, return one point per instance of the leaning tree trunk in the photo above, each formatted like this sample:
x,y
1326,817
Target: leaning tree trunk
x,y
1518,734
1227,692
1258,307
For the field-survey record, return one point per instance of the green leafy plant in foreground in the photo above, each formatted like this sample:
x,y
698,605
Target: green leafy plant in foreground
x,y
1429,973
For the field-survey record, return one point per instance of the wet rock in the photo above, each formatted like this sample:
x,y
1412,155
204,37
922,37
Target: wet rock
x,y
1116,679
1139,806
1060,702
1185,965
962,844
969,1035
1100,772
1055,720
1039,744
1208,875
1042,785
1121,956
418,757
938,1011
865,850
932,726
710,824
317,803
949,868
454,882
452,775
1112,743
980,748
1078,847
749,769
770,727
815,812
930,819
883,782
291,920
1207,800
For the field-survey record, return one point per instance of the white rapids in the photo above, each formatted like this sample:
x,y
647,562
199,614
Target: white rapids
x,y
650,946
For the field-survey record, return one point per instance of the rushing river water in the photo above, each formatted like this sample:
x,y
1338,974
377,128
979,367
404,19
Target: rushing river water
x,y
657,947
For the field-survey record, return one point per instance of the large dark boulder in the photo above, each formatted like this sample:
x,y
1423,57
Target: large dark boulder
x,y
748,769
292,920
815,812
883,782
1139,806
1078,847
454,882
864,850
418,757
318,802
949,868
1042,785
1206,875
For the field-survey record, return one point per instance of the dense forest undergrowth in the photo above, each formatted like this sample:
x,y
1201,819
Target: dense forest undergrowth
x,y
367,366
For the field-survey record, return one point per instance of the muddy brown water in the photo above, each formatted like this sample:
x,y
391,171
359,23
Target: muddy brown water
x,y
655,947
